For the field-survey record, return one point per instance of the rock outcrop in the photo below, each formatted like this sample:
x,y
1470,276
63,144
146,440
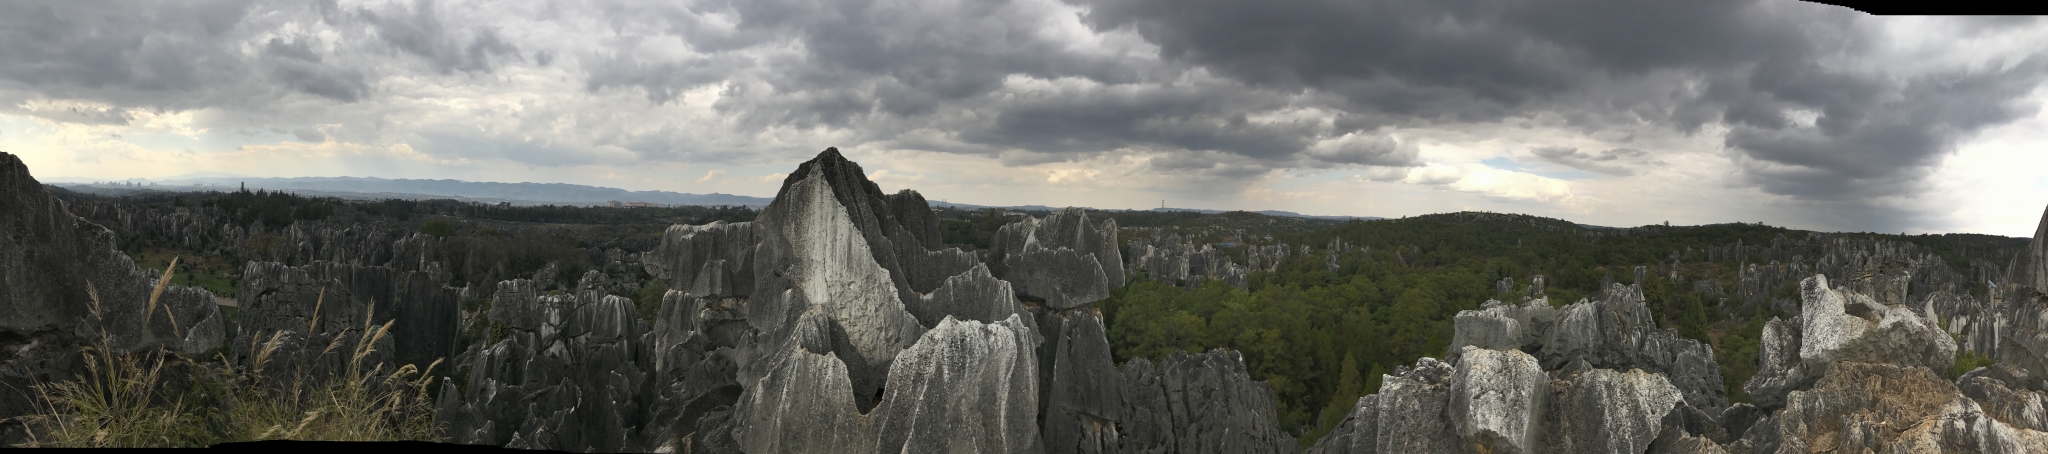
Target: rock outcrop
x,y
1168,258
53,266
567,374
1061,259
1839,325
1614,333
1203,403
275,298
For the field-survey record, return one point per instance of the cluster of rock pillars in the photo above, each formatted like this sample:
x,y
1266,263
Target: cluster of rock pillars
x,y
836,322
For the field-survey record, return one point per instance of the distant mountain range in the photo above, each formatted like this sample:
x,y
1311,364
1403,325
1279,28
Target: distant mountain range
x,y
368,188
487,192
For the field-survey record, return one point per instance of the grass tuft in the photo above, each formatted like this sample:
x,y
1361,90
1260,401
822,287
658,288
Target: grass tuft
x,y
157,398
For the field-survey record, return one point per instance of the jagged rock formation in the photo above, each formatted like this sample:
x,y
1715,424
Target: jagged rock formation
x,y
1261,258
1613,333
1061,259
1202,403
568,373
1837,326
277,298
1169,258
51,265
857,334
1852,375
712,260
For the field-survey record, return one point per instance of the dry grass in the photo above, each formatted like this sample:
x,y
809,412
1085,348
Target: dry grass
x,y
121,401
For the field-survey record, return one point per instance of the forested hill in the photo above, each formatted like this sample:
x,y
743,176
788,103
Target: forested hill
x,y
1322,330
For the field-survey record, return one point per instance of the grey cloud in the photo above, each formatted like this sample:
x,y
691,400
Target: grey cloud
x,y
420,32
1368,150
1880,145
1600,64
1615,162
296,65
309,135
157,53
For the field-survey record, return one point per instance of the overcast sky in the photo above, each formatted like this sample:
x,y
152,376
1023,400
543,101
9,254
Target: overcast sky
x,y
1602,112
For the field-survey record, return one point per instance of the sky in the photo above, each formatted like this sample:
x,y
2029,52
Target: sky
x,y
1600,112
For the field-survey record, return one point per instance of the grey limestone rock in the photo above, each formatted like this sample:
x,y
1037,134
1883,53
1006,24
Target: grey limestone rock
x,y
1602,410
973,295
1614,333
51,263
710,260
1843,325
1061,259
568,374
1081,403
2018,407
1169,258
1863,407
1498,400
812,259
1409,414
1203,403
964,387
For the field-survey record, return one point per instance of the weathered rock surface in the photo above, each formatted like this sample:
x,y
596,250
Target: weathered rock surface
x,y
1614,333
1408,414
567,375
1082,401
1169,258
1842,325
813,261
1861,407
1061,259
711,260
964,387
275,297
1602,410
1202,403
1498,399
51,265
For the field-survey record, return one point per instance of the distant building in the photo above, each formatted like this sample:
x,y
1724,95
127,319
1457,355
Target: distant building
x,y
641,205
613,204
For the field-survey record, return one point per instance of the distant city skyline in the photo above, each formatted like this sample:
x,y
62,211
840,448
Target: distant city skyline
x,y
1608,113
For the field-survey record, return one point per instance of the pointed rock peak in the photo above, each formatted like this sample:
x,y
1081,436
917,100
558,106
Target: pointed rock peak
x,y
2040,233
14,175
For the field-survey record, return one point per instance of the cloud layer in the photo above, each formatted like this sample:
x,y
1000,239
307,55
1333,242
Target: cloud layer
x,y
1787,109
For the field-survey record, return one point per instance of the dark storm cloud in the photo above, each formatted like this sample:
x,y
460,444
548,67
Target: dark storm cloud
x,y
1447,62
867,64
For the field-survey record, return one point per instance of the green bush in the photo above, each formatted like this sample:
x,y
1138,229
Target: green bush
x,y
438,228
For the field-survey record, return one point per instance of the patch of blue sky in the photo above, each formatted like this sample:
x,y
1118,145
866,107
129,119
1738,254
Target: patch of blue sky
x,y
1568,174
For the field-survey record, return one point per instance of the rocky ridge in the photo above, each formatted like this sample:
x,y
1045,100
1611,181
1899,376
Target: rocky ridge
x,y
53,267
